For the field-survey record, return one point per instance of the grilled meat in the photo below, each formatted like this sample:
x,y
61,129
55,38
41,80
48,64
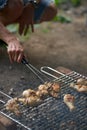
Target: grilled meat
x,y
80,85
56,87
53,89
42,93
31,101
33,98
81,81
53,94
69,101
42,87
83,88
28,93
13,106
48,88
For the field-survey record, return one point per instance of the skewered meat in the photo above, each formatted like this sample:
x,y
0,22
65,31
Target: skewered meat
x,y
80,81
49,88
41,93
80,85
13,106
53,94
28,93
33,98
42,87
69,101
31,101
22,100
54,89
83,88
48,85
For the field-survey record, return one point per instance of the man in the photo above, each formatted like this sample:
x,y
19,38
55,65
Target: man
x,y
26,13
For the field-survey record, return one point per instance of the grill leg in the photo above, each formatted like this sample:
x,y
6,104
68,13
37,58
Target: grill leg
x,y
7,124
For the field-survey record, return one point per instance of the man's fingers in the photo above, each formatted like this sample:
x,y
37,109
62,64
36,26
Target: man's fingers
x,y
16,55
32,27
15,52
26,29
21,28
11,52
10,56
19,59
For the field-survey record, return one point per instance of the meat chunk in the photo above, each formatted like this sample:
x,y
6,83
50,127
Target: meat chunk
x,y
30,101
49,88
83,88
80,85
42,93
28,93
13,106
69,101
54,89
42,87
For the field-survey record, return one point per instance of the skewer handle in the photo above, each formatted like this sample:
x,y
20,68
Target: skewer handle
x,y
24,61
45,70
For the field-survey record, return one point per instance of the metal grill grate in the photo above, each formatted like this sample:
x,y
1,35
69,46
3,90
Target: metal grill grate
x,y
53,114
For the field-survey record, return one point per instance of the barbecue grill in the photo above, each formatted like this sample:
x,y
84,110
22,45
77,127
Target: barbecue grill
x,y
52,113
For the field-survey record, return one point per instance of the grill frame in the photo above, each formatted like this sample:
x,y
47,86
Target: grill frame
x,y
66,80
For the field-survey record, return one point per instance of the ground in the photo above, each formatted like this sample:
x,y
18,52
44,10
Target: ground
x,y
53,44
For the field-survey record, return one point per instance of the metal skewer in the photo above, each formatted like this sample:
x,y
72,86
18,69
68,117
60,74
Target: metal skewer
x,y
5,94
34,70
2,101
29,66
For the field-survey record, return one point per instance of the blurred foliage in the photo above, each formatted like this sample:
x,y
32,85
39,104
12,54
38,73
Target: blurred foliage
x,y
76,2
60,1
65,19
73,2
13,28
62,19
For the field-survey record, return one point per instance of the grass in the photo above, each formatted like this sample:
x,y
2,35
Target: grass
x,y
73,2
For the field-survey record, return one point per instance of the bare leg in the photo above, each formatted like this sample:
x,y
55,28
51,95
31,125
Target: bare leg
x,y
49,13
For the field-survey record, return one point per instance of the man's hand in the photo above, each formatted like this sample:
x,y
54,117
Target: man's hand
x,y
15,51
26,19
14,48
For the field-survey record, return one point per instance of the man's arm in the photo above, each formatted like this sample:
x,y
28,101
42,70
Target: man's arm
x,y
14,49
8,15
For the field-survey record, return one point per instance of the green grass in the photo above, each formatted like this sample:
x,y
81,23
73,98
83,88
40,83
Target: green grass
x,y
62,19
73,2
60,1
76,2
